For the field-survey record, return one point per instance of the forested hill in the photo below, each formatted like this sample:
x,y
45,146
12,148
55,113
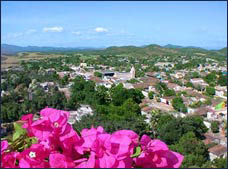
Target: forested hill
x,y
148,50
156,50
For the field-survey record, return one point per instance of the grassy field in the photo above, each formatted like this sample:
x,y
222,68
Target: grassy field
x,y
89,56
14,61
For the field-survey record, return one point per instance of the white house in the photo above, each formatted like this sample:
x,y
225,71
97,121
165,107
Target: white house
x,y
163,100
191,110
151,88
211,116
196,80
145,94
77,115
207,124
219,93
128,85
83,64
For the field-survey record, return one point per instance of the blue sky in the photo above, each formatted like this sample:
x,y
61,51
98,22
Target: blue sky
x,y
102,24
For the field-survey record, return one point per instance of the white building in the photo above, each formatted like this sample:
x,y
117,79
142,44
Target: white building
x,y
207,124
145,94
126,75
128,85
219,93
191,110
77,115
196,80
83,64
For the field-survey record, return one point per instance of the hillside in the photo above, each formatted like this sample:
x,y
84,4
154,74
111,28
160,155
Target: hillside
x,y
223,51
144,51
13,49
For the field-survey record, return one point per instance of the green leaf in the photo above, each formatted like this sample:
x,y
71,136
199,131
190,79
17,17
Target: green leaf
x,y
137,152
31,140
18,131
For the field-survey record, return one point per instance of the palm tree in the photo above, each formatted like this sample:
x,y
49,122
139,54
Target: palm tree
x,y
155,116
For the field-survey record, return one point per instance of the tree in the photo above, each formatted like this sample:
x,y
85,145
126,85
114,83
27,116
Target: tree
x,y
210,91
178,104
220,162
64,80
193,161
169,92
135,123
102,95
196,104
155,117
170,132
136,95
131,108
83,91
158,119
98,74
195,75
189,84
118,94
4,86
151,95
211,77
215,126
208,101
193,149
222,80
171,129
194,124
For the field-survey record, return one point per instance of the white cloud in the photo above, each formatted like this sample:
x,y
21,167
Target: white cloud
x,y
30,31
53,29
100,29
77,33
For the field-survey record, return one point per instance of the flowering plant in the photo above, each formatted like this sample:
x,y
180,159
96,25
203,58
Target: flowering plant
x,y
52,142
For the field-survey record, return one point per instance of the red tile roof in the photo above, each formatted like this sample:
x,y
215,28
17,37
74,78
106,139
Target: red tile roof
x,y
218,150
147,109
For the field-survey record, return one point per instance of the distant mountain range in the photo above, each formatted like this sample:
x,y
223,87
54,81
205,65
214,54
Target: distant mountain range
x,y
7,49
13,49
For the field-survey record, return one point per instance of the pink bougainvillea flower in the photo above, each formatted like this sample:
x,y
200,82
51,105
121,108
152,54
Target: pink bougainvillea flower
x,y
131,134
90,135
57,160
50,112
58,118
103,158
68,140
94,144
59,146
8,160
34,157
119,146
4,145
41,129
86,163
51,144
106,161
28,119
156,154
53,122
112,151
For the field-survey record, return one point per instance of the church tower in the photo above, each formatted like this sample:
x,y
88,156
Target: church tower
x,y
132,72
